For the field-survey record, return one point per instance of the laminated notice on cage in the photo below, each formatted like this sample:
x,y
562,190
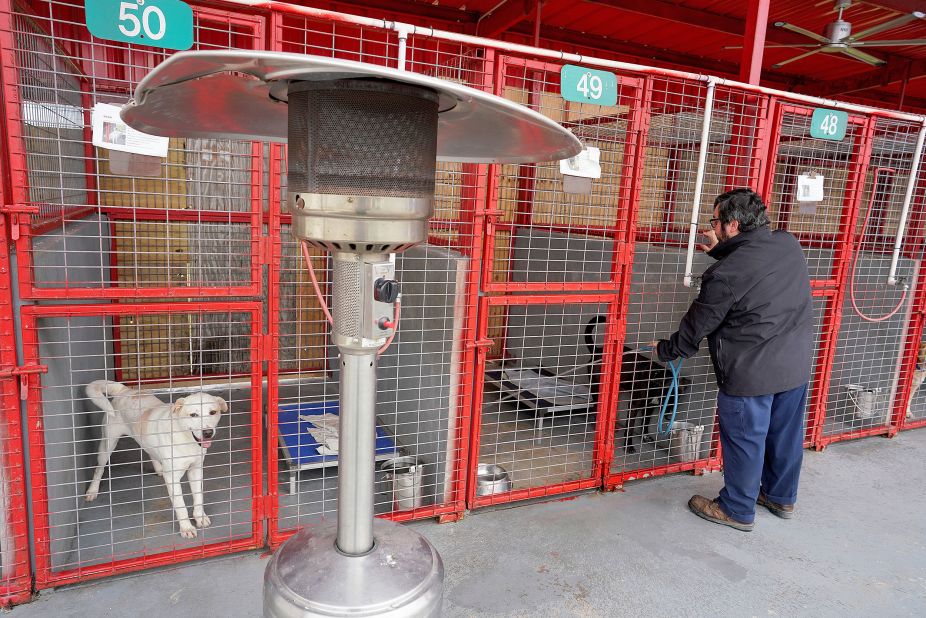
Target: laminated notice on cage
x,y
810,187
109,131
585,164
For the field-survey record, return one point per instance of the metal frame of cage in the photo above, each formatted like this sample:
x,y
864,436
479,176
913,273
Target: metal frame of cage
x,y
553,464
98,72
15,578
471,219
41,209
47,574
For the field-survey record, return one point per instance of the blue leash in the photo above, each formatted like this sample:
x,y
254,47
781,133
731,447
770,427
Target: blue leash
x,y
675,368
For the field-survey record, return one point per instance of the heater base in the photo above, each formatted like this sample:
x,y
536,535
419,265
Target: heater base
x,y
401,576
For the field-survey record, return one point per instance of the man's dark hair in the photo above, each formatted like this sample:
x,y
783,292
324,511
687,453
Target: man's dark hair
x,y
743,205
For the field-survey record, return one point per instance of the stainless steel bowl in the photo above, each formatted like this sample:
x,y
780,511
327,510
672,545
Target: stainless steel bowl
x,y
491,479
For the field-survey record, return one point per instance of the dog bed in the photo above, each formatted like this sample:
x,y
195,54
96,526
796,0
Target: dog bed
x,y
545,394
303,451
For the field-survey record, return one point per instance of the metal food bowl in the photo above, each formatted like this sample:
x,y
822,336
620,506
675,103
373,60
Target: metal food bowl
x,y
491,479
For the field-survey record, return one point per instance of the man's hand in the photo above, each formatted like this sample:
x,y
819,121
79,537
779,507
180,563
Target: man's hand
x,y
711,239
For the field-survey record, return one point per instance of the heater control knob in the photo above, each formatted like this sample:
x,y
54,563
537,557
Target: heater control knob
x,y
386,290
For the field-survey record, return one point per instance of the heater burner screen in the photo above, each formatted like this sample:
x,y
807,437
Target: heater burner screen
x,y
346,296
362,137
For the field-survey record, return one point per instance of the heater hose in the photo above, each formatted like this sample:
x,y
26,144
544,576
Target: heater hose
x,y
852,278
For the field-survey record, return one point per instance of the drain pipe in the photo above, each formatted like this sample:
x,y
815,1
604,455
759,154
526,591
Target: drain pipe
x,y
911,184
699,180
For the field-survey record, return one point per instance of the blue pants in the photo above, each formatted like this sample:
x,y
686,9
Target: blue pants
x,y
763,446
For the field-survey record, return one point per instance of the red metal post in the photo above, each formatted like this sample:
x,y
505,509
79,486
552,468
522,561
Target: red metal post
x,y
754,41
16,581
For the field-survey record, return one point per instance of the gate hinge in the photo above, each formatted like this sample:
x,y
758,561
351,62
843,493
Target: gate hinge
x,y
19,214
23,373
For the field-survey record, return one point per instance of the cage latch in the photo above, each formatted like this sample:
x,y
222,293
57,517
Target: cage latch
x,y
481,343
23,374
16,213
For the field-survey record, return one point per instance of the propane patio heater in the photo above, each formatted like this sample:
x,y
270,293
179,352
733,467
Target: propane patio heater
x,y
363,142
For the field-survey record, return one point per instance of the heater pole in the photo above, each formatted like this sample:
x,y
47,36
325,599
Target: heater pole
x,y
356,452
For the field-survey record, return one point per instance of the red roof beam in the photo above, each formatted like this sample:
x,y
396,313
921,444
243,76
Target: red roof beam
x,y
894,71
503,17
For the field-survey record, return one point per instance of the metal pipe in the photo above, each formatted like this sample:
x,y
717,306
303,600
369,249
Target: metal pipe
x,y
356,452
403,45
699,180
347,18
911,184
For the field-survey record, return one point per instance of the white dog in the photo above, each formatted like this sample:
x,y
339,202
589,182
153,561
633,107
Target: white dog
x,y
175,436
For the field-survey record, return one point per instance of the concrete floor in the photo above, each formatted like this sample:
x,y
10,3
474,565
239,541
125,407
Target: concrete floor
x,y
856,548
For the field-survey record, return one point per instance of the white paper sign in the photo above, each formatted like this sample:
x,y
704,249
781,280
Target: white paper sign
x,y
807,208
810,187
577,184
585,164
110,132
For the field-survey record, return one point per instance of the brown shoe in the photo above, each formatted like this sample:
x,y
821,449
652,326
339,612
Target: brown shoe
x,y
785,511
711,511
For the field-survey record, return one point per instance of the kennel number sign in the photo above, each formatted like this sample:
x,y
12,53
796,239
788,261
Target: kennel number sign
x,y
828,124
155,23
584,85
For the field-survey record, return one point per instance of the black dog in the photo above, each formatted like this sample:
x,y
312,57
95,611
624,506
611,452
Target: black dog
x,y
646,381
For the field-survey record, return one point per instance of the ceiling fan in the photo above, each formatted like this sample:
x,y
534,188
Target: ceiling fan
x,y
837,37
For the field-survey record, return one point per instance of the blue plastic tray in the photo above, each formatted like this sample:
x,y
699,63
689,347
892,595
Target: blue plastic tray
x,y
302,449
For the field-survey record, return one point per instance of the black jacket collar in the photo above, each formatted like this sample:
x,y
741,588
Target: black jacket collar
x,y
725,248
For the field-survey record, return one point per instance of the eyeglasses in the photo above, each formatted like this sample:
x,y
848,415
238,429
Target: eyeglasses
x,y
713,220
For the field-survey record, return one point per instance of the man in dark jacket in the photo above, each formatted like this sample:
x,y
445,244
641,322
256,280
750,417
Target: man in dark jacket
x,y
755,309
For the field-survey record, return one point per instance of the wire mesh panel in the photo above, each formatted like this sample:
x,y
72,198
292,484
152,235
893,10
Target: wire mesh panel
x,y
418,392
543,386
15,574
867,367
653,434
914,365
107,223
546,234
823,315
147,442
733,155
823,224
